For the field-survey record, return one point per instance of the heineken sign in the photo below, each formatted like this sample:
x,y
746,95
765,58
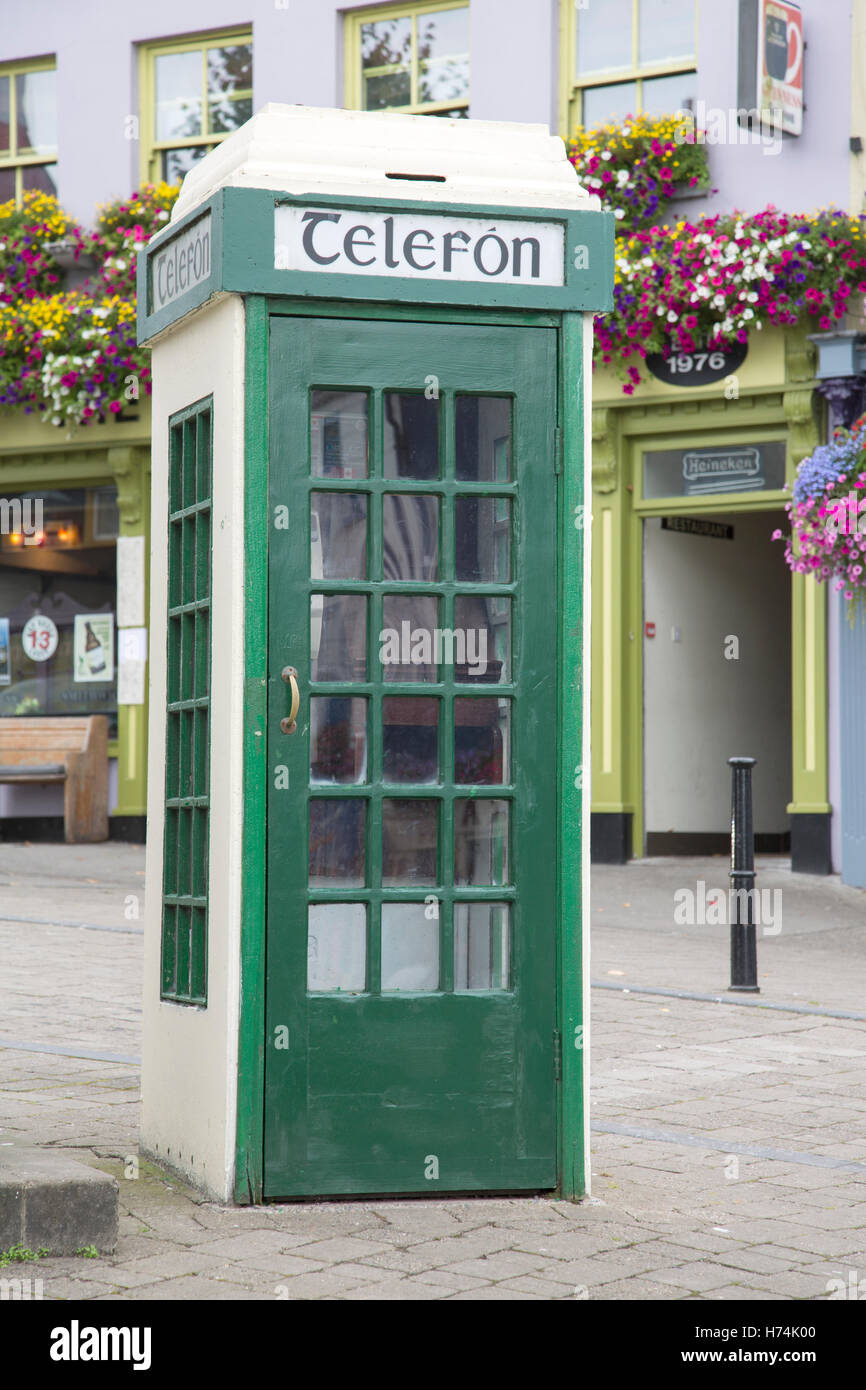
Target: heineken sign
x,y
692,472
419,245
181,264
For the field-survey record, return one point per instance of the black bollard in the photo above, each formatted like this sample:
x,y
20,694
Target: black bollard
x,y
744,955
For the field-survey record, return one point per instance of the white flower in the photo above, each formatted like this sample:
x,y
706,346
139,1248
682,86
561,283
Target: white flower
x,y
621,177
748,313
606,154
672,317
619,212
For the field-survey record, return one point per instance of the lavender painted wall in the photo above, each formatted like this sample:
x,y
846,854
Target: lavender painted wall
x,y
809,171
298,57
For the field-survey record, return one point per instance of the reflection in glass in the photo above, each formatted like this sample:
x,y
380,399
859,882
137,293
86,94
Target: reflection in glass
x,y
38,178
409,842
481,741
178,94
338,535
406,645
609,103
391,89
443,55
410,947
661,95
410,540
485,621
338,637
386,60
482,946
338,434
336,947
481,842
5,129
483,439
337,841
483,539
666,31
176,164
338,739
36,97
604,36
411,445
410,739
229,86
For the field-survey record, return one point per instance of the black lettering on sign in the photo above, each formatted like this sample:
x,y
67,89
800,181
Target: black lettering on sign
x,y
698,526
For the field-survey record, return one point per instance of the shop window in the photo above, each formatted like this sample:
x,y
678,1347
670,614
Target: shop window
x,y
28,129
626,57
58,582
187,764
194,93
409,58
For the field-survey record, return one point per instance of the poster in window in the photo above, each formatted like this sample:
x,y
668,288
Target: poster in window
x,y
5,671
93,658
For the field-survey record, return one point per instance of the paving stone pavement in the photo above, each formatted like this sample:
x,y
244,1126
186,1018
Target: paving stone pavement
x,y
728,1141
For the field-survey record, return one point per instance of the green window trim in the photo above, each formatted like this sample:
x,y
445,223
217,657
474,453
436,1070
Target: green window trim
x,y
154,150
354,71
12,160
187,780
573,85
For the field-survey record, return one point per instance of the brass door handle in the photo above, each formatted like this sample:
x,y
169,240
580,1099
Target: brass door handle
x,y
290,676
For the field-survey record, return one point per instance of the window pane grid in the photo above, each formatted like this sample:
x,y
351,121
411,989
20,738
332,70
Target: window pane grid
x,y
187,793
621,56
392,72
404,738
199,93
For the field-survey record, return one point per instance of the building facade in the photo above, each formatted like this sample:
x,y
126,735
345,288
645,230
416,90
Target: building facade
x,y
94,102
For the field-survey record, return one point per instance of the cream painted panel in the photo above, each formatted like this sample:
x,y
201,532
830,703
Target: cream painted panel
x,y
189,1078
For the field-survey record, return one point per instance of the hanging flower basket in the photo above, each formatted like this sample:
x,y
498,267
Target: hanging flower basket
x,y
828,516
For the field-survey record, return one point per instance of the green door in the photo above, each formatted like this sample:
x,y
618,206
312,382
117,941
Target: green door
x,y
411,873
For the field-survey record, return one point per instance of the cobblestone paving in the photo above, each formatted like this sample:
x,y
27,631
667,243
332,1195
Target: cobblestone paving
x,y
728,1142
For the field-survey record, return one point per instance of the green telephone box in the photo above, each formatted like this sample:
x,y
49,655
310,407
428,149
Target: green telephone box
x,y
366,940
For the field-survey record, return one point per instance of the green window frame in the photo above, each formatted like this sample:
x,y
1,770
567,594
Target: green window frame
x,y
24,167
172,85
633,77
187,763
406,76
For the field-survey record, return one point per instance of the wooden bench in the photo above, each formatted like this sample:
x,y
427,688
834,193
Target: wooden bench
x,y
73,751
